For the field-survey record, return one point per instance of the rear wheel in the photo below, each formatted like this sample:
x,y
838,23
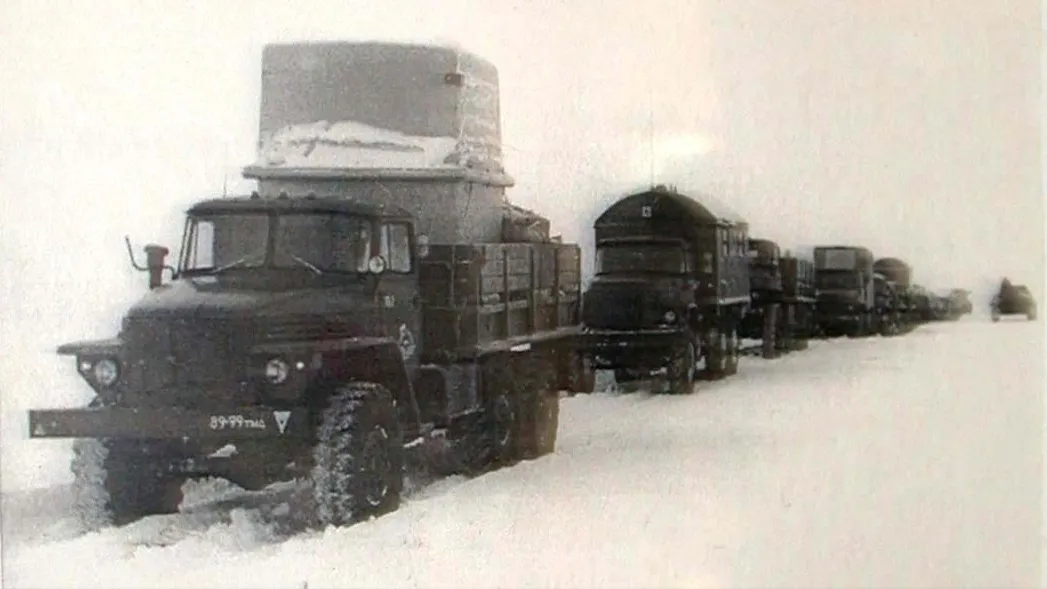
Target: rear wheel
x,y
539,407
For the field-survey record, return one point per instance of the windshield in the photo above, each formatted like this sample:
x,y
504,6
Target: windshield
x,y
627,258
318,242
836,280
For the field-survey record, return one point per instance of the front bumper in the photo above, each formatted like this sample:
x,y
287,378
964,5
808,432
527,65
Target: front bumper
x,y
644,348
234,423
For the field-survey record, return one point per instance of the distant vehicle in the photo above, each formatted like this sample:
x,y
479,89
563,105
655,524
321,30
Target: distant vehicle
x,y
940,307
889,314
766,319
846,290
925,303
960,302
671,286
1012,299
799,296
898,274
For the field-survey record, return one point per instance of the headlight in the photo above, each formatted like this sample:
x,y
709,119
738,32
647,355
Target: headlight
x,y
669,317
276,371
106,372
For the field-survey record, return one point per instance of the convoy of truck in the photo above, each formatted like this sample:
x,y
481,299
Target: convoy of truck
x,y
377,311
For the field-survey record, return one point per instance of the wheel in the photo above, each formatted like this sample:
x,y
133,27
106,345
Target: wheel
x,y
358,460
500,422
115,484
716,364
734,345
681,372
539,403
581,376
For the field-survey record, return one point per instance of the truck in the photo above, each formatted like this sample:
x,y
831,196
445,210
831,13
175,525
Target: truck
x,y
799,298
375,312
846,290
671,285
898,274
1012,299
766,319
888,306
959,303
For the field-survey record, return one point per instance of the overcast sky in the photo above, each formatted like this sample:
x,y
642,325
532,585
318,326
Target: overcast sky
x,y
908,126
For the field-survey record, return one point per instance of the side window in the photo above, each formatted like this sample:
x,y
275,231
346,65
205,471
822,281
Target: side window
x,y
396,246
202,246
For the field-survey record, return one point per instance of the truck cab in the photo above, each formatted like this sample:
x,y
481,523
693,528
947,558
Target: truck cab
x,y
671,283
765,281
846,290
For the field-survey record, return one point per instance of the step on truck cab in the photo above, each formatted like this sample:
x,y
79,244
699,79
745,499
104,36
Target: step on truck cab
x,y
374,312
846,290
671,285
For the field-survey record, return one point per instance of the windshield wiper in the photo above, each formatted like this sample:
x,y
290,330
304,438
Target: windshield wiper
x,y
301,261
306,263
234,264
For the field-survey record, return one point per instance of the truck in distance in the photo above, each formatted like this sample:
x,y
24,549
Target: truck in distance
x,y
671,286
846,290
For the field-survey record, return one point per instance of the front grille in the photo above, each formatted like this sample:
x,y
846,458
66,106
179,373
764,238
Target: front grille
x,y
614,307
179,352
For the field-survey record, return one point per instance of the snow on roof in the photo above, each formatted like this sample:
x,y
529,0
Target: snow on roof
x,y
350,144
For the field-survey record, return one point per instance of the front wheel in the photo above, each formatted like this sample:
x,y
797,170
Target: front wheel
x,y
682,369
358,469
115,484
734,346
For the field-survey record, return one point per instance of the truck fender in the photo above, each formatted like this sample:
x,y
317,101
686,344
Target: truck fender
x,y
361,359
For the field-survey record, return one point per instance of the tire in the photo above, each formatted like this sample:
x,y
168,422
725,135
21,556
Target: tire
x,y
581,376
682,373
114,485
500,421
734,345
358,460
716,364
540,439
539,407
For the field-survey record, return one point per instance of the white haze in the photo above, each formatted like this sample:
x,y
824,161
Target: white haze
x,y
911,127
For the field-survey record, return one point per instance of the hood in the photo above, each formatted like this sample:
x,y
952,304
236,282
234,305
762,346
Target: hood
x,y
210,297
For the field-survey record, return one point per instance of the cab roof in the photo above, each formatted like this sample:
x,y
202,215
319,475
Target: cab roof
x,y
296,204
668,204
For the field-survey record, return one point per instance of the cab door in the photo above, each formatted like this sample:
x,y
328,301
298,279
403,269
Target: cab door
x,y
397,292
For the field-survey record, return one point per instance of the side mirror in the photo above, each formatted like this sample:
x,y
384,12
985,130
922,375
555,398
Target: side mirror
x,y
154,262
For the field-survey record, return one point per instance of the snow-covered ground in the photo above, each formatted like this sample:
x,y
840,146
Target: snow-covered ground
x,y
912,461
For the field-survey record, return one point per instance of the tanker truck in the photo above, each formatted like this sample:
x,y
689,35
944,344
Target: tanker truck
x,y
374,311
